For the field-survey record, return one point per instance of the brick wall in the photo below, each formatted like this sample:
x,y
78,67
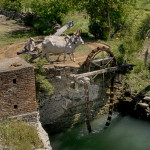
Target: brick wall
x,y
17,92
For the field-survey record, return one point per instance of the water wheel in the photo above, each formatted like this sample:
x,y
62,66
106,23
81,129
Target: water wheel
x,y
101,58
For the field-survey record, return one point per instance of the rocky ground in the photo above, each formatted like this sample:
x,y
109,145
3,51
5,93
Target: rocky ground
x,y
135,105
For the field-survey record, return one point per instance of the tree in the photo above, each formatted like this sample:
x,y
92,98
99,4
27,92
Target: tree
x,y
11,5
49,13
106,16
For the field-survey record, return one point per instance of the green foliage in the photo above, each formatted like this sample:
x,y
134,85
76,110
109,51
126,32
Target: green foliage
x,y
39,67
134,35
19,135
144,28
128,47
49,13
81,21
99,29
42,84
138,81
142,4
145,74
14,5
83,49
140,66
43,15
105,16
27,57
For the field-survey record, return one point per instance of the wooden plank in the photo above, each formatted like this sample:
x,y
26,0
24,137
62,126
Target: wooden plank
x,y
120,69
78,76
64,28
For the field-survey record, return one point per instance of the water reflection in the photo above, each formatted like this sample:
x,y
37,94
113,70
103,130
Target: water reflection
x,y
124,133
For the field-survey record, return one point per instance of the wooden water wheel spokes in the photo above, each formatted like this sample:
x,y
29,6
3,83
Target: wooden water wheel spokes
x,y
102,58
99,58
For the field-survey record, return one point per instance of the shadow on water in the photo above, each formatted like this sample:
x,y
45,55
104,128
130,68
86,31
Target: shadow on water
x,y
124,133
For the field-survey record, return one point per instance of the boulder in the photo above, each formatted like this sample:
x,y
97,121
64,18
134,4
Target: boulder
x,y
146,98
2,18
143,105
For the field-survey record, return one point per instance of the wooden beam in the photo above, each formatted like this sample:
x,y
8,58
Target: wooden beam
x,y
126,68
78,76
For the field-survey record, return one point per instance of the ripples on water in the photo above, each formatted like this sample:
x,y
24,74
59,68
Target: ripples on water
x,y
124,133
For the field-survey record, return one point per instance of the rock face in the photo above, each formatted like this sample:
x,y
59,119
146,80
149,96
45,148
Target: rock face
x,y
2,18
66,107
43,135
146,98
11,14
143,105
138,107
142,108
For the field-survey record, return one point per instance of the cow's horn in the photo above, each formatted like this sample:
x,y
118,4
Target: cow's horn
x,y
76,32
80,32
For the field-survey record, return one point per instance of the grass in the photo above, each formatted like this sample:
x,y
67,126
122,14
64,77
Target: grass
x,y
81,21
143,4
138,81
83,49
17,135
11,32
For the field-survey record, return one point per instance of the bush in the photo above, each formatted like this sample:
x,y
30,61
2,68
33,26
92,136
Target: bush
x,y
39,67
140,66
105,17
42,84
129,46
19,135
48,13
99,29
143,29
12,5
27,57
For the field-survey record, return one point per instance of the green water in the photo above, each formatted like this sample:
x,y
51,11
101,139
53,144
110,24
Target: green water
x,y
125,133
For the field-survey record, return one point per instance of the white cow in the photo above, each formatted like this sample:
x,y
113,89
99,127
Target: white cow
x,y
61,44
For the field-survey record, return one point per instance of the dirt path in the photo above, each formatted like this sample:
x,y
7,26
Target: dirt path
x,y
10,51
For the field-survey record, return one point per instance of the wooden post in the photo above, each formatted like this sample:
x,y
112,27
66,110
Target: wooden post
x,y
111,101
87,107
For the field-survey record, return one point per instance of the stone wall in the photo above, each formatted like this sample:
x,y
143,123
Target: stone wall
x,y
11,14
17,89
2,18
30,118
66,108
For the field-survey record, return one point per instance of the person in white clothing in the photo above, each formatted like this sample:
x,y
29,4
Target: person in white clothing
x,y
30,45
